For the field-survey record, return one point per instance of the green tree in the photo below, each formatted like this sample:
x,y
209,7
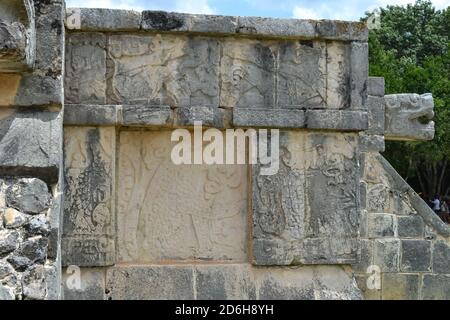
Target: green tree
x,y
411,50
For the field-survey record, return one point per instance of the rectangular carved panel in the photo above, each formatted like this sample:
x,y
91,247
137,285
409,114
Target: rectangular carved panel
x,y
89,224
163,70
85,78
175,212
308,212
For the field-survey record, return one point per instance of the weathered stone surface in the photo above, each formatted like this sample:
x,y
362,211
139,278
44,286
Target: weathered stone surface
x,y
92,285
376,113
88,234
85,74
38,225
387,254
33,283
441,257
35,249
267,118
408,117
53,280
436,287
29,195
375,86
410,226
308,212
339,120
168,211
85,115
338,75
36,90
13,219
301,80
371,143
342,30
247,72
368,293
225,282
359,64
30,143
208,116
163,70
20,263
172,21
333,283
397,286
146,116
416,256
89,19
380,225
5,269
6,293
150,282
276,27
8,240
365,258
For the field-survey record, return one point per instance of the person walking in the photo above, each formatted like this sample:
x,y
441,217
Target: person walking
x,y
436,204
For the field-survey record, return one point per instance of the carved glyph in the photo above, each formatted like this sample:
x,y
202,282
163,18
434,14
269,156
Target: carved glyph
x,y
88,237
175,212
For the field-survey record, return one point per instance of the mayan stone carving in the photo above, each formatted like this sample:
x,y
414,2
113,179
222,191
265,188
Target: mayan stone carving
x,y
408,117
308,212
88,237
170,212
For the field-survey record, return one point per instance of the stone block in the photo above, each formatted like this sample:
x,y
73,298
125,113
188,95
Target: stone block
x,y
6,293
208,116
172,21
146,116
341,30
30,143
410,226
90,19
89,224
36,90
387,254
90,115
8,241
268,118
398,286
338,75
301,74
150,282
183,72
15,52
416,256
359,62
337,120
333,283
85,284
380,225
247,73
194,212
258,26
371,143
441,257
369,294
29,195
13,219
375,86
436,287
298,217
376,113
33,283
85,73
225,282
365,259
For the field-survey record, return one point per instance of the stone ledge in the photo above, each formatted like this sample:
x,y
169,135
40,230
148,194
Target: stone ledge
x,y
275,118
86,19
341,120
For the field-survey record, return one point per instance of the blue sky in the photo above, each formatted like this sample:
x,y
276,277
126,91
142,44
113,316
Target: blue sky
x,y
302,9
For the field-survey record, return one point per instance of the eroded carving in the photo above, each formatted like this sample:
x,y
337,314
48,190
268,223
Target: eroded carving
x,y
88,208
163,69
177,212
408,116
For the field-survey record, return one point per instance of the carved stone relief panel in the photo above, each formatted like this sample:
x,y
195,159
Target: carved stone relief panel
x,y
85,78
89,227
302,74
308,213
338,75
163,70
175,212
248,73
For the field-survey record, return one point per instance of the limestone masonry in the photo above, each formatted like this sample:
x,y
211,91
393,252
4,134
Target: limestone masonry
x,y
92,207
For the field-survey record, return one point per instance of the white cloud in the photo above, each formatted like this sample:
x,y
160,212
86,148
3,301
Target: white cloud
x,y
323,12
111,4
305,13
194,6
438,4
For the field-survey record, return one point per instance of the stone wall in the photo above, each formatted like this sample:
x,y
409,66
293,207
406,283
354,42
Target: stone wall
x,y
31,122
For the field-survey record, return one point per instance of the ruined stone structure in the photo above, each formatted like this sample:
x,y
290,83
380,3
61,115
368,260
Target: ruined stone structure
x,y
88,98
